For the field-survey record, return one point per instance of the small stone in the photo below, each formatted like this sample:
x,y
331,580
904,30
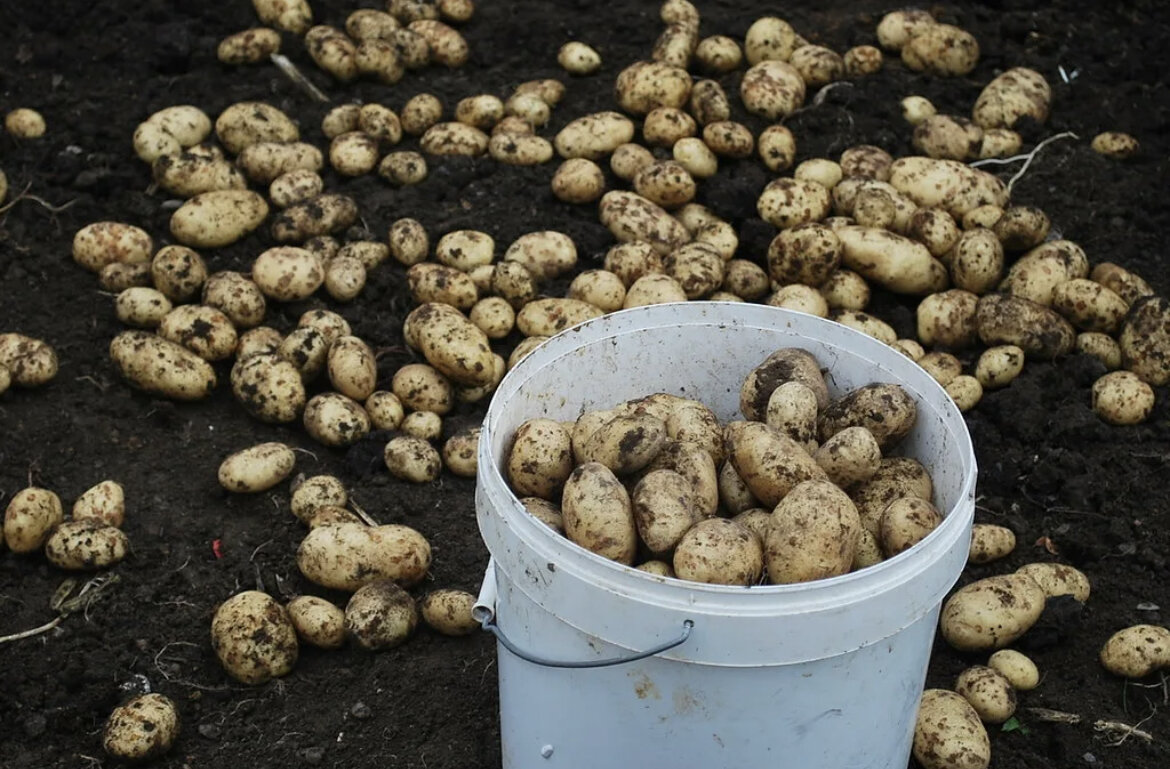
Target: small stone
x,y
210,731
35,725
361,711
313,755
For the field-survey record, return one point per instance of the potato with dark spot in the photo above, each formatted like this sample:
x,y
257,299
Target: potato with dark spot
x,y
257,468
451,343
990,542
30,518
345,556
850,457
380,615
1039,331
784,365
269,387
412,459
626,443
905,523
143,728
1057,579
719,551
770,463
991,613
540,459
1137,651
448,611
156,366
948,733
664,508
1145,340
597,514
896,477
317,621
814,533
332,419
254,638
322,215
886,410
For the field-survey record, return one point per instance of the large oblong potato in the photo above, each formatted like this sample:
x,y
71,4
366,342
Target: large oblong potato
x,y
631,217
626,443
218,218
346,556
85,545
1137,651
719,551
770,463
813,534
991,613
159,367
597,514
892,261
1003,319
257,468
451,343
254,638
886,410
948,733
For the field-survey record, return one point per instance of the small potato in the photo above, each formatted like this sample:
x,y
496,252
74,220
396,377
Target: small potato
x,y
1100,346
708,102
85,545
366,24
1019,670
976,261
578,180
540,459
317,621
770,463
156,366
143,728
949,734
998,366
850,457
734,494
982,216
578,58
746,280
141,307
772,89
862,60
633,260
205,331
257,468
1018,92
943,366
820,170
420,113
948,136
937,230
448,47
905,523
787,203
597,513
1144,340
800,298
254,638
721,552
178,272
530,108
307,349
769,38
268,387
546,317
333,419
991,613
665,126
599,288
1057,579
24,123
406,11
481,111
645,85
186,175
1037,330
1115,145
630,217
792,409
380,615
412,459
293,16
315,492
116,277
697,267
346,556
354,153
897,27
727,138
1021,228
948,319
777,148
990,542
30,518
235,296
886,410
420,387
460,453
345,277
1137,651
519,149
718,54
866,324
218,218
989,692
385,410
665,183
514,283
654,289
454,139
100,244
999,143
941,49
909,347
813,535
30,362
287,273
333,51
104,503
965,391
352,369
664,509
246,123
448,612
408,240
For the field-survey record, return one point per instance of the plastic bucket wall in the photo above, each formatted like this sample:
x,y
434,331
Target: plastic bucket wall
x,y
823,675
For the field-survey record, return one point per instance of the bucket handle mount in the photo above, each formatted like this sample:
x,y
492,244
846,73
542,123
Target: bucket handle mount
x,y
485,613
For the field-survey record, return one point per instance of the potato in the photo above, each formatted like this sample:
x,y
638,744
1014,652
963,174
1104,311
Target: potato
x,y
406,11
352,368
218,218
936,229
178,272
451,343
456,10
293,16
745,280
910,348
862,60
896,477
734,494
141,307
632,260
25,123
1137,651
1115,145
823,171
246,123
850,457
948,319
948,733
665,183
708,103
1017,668
677,43
159,367
892,261
86,545
380,615
1129,286
998,366
626,443
990,542
251,46
345,277
540,459
694,463
354,153
896,28
316,492
1057,579
454,139
886,410
1037,330
1089,305
1122,398
976,261
333,419
186,175
664,508
529,108
905,523
420,113
942,366
117,277
991,613
813,535
448,612
769,462
420,387
546,254
1145,340
784,365
631,217
29,362
597,513
787,203
769,38
144,727
287,273
807,254
104,503
948,136
254,638
322,215
235,296
792,409
989,692
447,46
941,49
577,58
719,551
866,324
718,54
257,468
947,184
999,143
269,387
30,518
412,459
307,349
645,85
460,453
317,621
1100,346
349,555
100,244
965,391
205,331
519,149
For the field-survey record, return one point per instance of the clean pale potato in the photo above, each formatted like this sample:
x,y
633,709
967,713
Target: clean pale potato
x,y
1017,668
317,621
1137,651
719,551
999,366
814,533
257,468
158,367
380,615
577,58
948,184
448,611
948,733
218,218
989,692
890,260
991,613
30,518
316,492
352,368
597,513
254,638
1057,579
142,307
25,123
412,459
346,556
287,273
990,542
143,728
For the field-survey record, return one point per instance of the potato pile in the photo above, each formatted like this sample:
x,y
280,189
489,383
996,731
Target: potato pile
x,y
803,488
90,539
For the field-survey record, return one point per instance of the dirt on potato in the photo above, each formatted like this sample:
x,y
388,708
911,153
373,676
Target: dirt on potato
x,y
1071,487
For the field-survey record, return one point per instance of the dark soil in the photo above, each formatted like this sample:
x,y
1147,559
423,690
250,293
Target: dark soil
x,y
1049,469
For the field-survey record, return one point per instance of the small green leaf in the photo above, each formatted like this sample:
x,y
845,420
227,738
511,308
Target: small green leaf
x,y
1013,725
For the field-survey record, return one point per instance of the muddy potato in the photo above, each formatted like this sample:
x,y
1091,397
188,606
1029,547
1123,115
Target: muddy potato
x,y
86,545
734,494
246,123
777,148
645,85
719,551
349,555
235,296
805,254
100,244
630,261
426,425
529,108
540,459
1019,670
203,330
976,261
254,638
406,11
352,369
867,324
800,298
30,518
1037,330
941,49
1115,145
948,319
287,273
544,511
664,508
546,317
999,143
257,468
345,277
448,611
813,534
269,387
989,692
1145,340
998,366
708,102
784,365
862,60
545,254
597,513
143,728
24,123
665,183
935,229
460,453
772,89
948,733
520,149
1057,579
896,28
354,153
991,613
626,443
178,272
188,174
141,307
850,457
769,462
769,38
1137,651
947,184
744,279
886,410
307,349
664,126
317,622
447,45
251,46
333,419
293,16
942,366
599,288
787,203
117,277
990,542
817,65
905,523
718,54
727,138
792,409
420,387
697,267
316,492
1089,305
1122,398
631,217
104,503
412,459
420,113
380,615
157,366
693,462
965,391
1129,286
577,58
948,136
367,24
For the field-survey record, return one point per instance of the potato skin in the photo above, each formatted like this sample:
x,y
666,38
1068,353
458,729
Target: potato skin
x,y
254,638
143,728
540,460
886,410
156,366
770,463
719,551
1136,651
257,468
348,555
626,443
990,542
597,514
317,621
1011,320
30,518
380,615
989,693
448,612
991,613
664,509
814,534
948,733
86,545
785,365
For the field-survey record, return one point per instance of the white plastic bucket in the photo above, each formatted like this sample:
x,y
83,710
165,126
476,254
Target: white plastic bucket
x,y
822,675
